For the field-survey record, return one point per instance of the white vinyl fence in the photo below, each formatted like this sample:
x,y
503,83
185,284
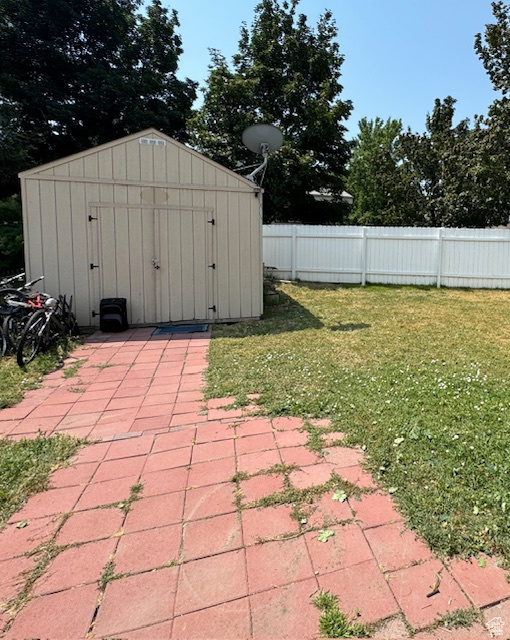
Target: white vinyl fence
x,y
391,255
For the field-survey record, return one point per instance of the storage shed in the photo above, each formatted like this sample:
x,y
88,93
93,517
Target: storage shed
x,y
147,219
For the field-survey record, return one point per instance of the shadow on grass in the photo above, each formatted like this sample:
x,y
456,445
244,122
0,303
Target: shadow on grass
x,y
287,316
350,327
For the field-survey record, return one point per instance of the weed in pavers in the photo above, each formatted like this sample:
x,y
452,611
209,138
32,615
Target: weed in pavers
x,y
77,389
460,619
103,366
316,442
333,623
424,391
125,505
47,551
25,467
301,500
109,575
72,369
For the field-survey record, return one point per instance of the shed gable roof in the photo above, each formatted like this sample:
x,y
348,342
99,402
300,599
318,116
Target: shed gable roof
x,y
48,167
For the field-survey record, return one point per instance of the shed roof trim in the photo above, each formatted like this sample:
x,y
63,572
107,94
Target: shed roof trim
x,y
134,136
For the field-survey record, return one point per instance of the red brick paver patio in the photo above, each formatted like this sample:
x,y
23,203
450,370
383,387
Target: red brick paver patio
x,y
194,557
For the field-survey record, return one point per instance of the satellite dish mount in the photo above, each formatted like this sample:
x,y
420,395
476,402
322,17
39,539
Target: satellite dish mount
x,y
263,139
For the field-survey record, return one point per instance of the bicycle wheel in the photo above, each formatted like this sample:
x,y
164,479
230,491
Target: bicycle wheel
x,y
3,343
12,328
31,340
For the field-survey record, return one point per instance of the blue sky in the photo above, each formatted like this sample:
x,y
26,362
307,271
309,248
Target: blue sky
x,y
399,54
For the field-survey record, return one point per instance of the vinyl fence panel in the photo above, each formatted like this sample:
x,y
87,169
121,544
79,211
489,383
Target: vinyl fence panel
x,y
389,255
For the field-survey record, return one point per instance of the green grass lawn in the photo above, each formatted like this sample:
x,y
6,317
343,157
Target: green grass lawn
x,y
417,376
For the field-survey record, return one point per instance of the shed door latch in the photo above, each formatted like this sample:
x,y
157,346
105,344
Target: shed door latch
x,y
94,266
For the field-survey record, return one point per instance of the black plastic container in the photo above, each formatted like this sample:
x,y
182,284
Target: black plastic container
x,y
113,315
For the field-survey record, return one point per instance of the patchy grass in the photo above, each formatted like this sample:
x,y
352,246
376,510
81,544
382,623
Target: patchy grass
x,y
14,381
25,467
416,376
333,623
72,369
459,619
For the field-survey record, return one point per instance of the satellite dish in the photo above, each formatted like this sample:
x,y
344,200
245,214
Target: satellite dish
x,y
263,139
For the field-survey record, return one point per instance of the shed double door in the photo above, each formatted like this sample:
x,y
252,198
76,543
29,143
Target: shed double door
x,y
160,260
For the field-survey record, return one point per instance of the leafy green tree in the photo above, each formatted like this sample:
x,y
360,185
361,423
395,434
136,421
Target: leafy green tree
x,y
493,132
11,236
383,192
76,73
286,74
493,48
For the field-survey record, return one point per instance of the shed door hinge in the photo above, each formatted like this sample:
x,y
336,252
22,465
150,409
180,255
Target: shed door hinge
x,y
213,308
94,313
213,222
212,266
94,266
91,218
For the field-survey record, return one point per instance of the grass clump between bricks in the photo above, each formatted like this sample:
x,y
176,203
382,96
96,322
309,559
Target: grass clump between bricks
x,y
26,465
333,623
300,499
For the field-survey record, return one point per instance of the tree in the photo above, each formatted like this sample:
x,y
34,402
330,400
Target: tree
x,y
76,73
383,193
495,53
286,74
11,236
493,132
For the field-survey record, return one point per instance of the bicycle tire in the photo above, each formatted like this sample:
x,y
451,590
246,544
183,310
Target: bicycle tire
x,y
3,344
31,342
12,328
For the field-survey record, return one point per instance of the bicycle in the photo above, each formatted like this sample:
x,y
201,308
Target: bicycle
x,y
16,306
45,328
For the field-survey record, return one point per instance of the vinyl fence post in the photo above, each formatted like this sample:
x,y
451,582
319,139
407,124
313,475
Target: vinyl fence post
x,y
439,255
363,256
293,252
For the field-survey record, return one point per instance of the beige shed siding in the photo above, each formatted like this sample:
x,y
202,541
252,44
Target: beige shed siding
x,y
151,202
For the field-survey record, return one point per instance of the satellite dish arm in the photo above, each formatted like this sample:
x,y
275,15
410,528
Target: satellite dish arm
x,y
264,150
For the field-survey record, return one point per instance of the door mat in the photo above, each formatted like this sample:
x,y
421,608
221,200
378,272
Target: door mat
x,y
180,328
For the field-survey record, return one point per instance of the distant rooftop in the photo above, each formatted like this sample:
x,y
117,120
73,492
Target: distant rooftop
x,y
327,196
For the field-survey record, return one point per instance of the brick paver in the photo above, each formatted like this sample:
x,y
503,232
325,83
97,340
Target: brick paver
x,y
189,560
126,606
60,615
484,585
204,502
202,538
86,526
211,581
395,547
75,566
412,586
367,594
267,523
346,548
278,563
229,620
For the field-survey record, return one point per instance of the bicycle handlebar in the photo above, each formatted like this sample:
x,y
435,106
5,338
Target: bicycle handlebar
x,y
11,279
31,283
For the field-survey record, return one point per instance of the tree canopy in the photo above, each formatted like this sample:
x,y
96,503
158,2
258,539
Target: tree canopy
x,y
286,73
381,187
76,73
